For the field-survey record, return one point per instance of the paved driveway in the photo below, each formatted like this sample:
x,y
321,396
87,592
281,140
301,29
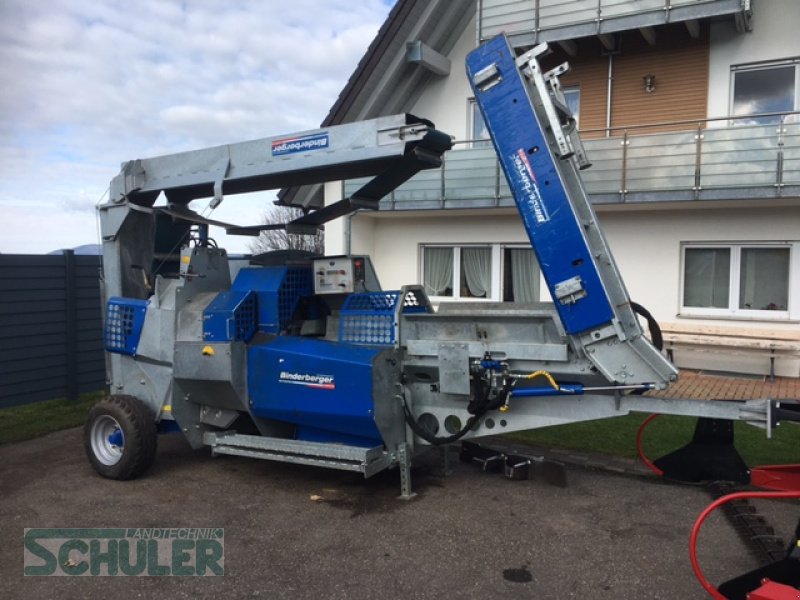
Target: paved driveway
x,y
471,535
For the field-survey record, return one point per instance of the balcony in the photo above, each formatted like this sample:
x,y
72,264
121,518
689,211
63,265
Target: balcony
x,y
716,159
529,22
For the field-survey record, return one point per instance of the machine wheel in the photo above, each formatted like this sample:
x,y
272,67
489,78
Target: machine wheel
x,y
120,437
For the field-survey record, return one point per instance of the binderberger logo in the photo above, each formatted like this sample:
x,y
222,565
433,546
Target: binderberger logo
x,y
321,382
527,182
304,143
125,552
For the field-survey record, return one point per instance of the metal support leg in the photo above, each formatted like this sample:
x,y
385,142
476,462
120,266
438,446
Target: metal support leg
x,y
444,460
772,366
404,461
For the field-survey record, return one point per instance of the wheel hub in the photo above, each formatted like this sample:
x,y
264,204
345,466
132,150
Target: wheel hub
x,y
107,440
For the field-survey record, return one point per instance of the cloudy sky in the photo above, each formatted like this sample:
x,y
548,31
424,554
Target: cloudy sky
x,y
88,84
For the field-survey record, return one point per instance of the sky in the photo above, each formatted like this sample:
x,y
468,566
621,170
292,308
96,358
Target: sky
x,y
89,84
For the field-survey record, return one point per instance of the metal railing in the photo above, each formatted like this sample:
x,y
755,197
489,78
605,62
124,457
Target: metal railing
x,y
556,19
732,157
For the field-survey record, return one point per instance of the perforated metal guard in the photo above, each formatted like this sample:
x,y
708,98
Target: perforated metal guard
x,y
231,316
369,319
123,327
245,321
296,284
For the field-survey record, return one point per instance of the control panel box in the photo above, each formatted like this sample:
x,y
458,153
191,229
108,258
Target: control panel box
x,y
344,275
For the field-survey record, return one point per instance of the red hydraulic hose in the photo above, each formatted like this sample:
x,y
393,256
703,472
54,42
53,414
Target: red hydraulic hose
x,y
640,450
712,591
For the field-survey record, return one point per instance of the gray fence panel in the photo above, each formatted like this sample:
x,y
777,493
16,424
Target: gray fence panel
x,y
51,338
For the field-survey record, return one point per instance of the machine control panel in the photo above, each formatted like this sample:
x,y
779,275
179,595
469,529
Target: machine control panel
x,y
343,275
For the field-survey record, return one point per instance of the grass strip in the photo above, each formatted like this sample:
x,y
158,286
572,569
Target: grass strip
x,y
617,437
33,420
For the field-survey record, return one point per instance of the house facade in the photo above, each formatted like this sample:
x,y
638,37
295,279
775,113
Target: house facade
x,y
689,114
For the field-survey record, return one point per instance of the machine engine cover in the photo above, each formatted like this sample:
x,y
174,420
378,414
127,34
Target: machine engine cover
x,y
324,388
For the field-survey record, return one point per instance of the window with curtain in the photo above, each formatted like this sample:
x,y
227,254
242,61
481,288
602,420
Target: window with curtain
x,y
437,271
520,275
764,279
476,272
489,271
764,89
706,277
739,280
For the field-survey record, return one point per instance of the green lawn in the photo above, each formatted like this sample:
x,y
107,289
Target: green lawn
x,y
617,436
33,420
610,436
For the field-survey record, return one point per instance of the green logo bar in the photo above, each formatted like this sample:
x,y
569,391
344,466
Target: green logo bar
x,y
159,552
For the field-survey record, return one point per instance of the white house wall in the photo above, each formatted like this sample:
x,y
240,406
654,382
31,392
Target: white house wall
x,y
774,37
648,257
444,100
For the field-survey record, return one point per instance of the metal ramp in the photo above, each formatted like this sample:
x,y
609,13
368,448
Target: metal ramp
x,y
368,461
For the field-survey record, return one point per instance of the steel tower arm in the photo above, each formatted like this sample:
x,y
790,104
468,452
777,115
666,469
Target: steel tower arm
x,y
392,148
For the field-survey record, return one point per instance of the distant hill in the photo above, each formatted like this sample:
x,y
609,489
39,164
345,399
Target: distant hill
x,y
86,249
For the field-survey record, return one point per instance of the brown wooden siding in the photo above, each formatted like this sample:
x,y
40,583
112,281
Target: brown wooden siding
x,y
679,63
589,72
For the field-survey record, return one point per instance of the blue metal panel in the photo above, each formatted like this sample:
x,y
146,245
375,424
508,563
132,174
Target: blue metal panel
x,y
323,387
368,318
542,201
278,289
124,322
231,316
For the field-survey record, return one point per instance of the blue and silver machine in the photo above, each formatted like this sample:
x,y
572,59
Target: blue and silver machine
x,y
307,359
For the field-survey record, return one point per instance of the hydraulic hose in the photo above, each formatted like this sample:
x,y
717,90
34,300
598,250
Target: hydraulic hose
x,y
656,337
639,445
707,586
432,438
479,406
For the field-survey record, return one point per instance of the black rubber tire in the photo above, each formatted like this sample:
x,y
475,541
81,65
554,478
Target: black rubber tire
x,y
137,425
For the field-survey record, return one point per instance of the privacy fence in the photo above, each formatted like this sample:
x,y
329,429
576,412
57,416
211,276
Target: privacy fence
x,y
51,341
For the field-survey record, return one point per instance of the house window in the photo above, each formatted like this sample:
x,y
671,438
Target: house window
x,y
520,275
487,272
764,89
476,272
745,280
572,95
478,134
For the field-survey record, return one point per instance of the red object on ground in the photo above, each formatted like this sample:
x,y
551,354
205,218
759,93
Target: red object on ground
x,y
776,477
770,590
640,449
712,591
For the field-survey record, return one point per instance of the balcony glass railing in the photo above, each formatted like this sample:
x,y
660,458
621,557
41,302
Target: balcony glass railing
x,y
713,159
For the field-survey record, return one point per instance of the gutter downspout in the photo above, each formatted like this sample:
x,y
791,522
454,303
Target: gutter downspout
x,y
348,236
608,92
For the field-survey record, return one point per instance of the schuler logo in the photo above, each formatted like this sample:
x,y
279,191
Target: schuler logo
x,y
527,181
118,551
322,382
